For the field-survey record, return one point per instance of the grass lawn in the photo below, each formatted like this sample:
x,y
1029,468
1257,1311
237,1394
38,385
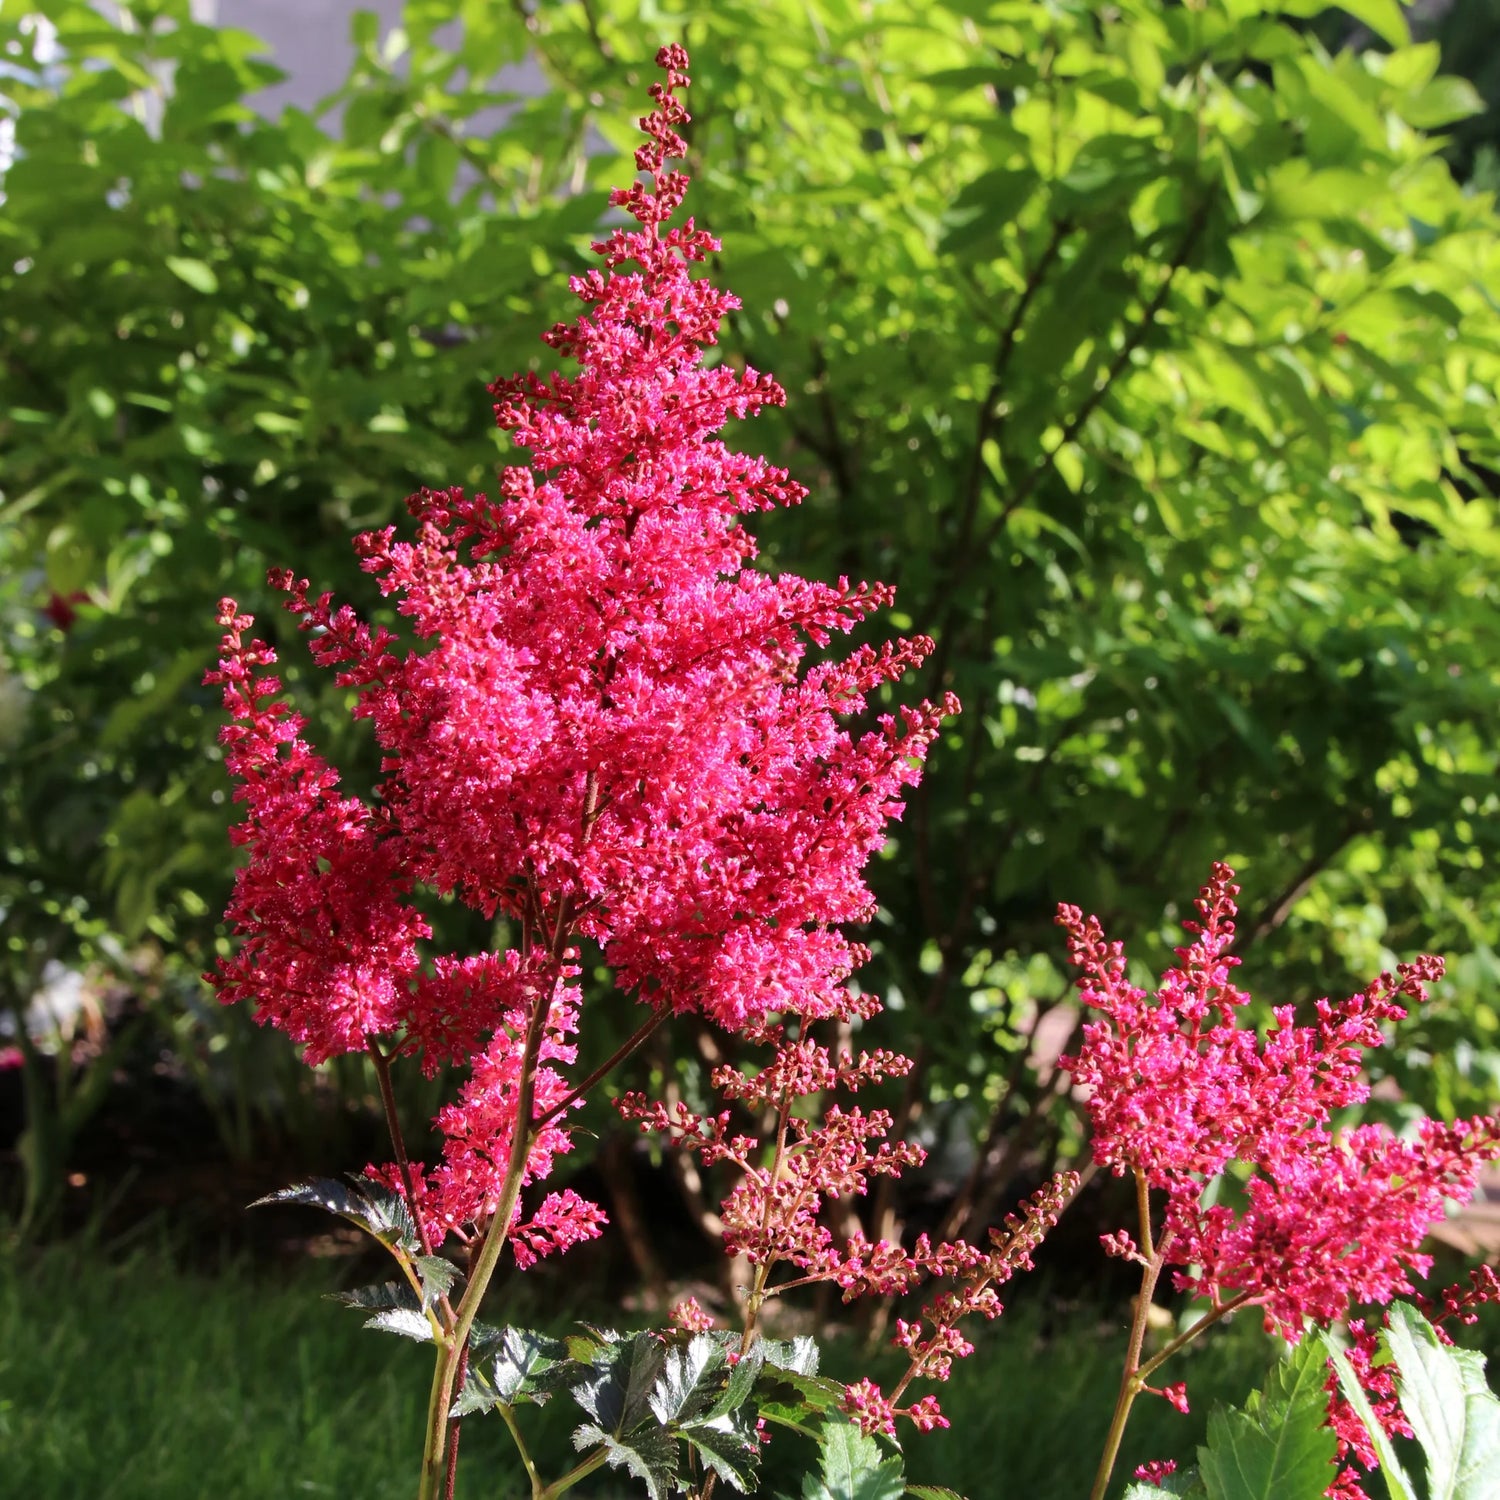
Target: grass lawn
x,y
132,1381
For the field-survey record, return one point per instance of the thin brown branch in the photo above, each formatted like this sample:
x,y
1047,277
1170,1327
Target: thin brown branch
x,y
629,1045
1074,425
1279,908
992,1152
986,426
991,417
591,21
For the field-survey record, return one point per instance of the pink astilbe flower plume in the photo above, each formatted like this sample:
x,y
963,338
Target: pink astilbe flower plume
x,y
1180,1089
1182,1092
600,724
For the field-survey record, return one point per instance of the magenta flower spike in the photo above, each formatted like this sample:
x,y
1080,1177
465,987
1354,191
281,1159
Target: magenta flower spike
x,y
606,728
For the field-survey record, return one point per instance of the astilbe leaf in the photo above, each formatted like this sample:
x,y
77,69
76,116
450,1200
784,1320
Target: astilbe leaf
x,y
438,1278
742,1380
512,1366
798,1356
617,1389
853,1467
728,1445
529,1366
402,1320
373,1208
1397,1481
1453,1414
647,1452
800,1402
1278,1446
388,1294
688,1382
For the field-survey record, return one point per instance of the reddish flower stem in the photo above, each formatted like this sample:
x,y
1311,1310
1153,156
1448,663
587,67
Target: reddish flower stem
x,y
637,1038
398,1141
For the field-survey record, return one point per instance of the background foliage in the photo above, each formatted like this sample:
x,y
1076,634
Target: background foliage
x,y
1152,353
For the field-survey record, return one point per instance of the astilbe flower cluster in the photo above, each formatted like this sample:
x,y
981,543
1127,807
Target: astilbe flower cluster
x,y
600,725
824,1154
1181,1092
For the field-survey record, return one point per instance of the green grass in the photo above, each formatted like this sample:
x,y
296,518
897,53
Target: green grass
x,y
133,1381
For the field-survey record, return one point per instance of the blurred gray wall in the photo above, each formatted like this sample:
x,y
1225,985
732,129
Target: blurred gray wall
x,y
309,40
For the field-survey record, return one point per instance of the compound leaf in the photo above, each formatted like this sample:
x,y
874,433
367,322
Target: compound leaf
x,y
616,1389
405,1321
648,1453
374,1208
529,1366
1277,1445
688,1381
728,1446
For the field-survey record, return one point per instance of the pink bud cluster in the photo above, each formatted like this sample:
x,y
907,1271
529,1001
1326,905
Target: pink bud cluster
x,y
773,1215
1157,1472
1181,1091
598,728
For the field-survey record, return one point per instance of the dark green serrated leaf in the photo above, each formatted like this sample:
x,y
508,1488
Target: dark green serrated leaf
x,y
483,1337
742,1378
438,1277
688,1381
478,1394
406,1322
375,1298
932,1492
375,1209
853,1468
1452,1411
389,1219
799,1355
795,1401
601,1336
529,1366
616,1389
648,1453
729,1447
816,1392
322,1192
